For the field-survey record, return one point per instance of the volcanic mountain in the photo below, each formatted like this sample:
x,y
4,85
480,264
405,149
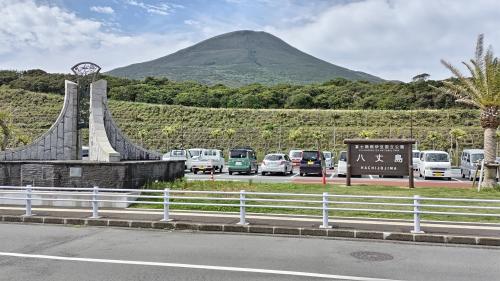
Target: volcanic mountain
x,y
242,57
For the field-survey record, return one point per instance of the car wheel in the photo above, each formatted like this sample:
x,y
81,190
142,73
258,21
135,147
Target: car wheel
x,y
463,174
195,171
230,173
301,174
263,173
221,168
448,178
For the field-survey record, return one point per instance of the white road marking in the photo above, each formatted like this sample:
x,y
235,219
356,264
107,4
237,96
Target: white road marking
x,y
456,180
333,174
371,177
196,266
294,175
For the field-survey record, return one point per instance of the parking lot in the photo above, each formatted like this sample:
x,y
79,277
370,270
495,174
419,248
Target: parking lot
x,y
332,178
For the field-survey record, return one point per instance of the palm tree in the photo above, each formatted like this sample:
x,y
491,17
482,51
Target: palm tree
x,y
481,90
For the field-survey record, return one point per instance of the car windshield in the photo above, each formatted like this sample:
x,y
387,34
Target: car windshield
x,y
476,157
436,157
273,157
296,154
310,155
177,153
416,154
343,156
238,153
327,154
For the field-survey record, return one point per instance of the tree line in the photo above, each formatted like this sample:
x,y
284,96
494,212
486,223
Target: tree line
x,y
334,94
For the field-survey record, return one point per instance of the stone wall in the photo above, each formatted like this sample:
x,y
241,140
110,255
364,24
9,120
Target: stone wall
x,y
60,141
107,142
124,174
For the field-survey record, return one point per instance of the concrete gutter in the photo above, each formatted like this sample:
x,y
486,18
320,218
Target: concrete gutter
x,y
258,229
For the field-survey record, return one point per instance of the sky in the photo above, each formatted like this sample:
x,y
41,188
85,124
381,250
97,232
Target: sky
x,y
392,39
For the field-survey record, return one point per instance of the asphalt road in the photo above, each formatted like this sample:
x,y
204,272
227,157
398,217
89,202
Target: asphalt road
x,y
332,177
39,252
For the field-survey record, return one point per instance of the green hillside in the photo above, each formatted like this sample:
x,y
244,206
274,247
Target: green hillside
x,y
33,113
240,58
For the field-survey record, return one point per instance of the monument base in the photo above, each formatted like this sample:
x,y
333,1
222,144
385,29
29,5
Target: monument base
x,y
79,173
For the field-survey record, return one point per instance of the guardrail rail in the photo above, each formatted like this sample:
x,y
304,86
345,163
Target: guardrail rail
x,y
325,203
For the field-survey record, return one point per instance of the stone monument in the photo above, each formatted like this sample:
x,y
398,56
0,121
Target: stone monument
x,y
54,159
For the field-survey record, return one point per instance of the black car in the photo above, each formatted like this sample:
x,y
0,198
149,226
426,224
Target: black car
x,y
312,162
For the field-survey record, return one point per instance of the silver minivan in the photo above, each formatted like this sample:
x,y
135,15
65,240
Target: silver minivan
x,y
468,162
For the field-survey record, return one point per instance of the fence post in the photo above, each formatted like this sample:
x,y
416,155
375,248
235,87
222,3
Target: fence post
x,y
28,201
416,214
242,208
166,205
95,204
325,211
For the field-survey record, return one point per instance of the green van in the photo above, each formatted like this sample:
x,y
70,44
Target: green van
x,y
242,160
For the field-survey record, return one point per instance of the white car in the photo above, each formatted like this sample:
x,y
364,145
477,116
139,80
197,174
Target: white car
x,y
328,159
179,154
469,161
435,164
342,164
295,156
416,159
208,160
276,163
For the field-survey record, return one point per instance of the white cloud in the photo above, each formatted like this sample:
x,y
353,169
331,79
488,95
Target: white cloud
x,y
102,10
48,37
191,22
162,9
397,39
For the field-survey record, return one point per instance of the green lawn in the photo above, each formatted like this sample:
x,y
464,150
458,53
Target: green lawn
x,y
338,190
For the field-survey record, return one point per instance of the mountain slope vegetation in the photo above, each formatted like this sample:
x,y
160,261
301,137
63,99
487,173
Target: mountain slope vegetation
x,y
240,58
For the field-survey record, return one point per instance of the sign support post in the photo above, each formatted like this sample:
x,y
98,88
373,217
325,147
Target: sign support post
x,y
348,175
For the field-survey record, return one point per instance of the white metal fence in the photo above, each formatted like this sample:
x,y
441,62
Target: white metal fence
x,y
326,203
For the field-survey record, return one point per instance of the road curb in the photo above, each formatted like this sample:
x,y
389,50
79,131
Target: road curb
x,y
258,229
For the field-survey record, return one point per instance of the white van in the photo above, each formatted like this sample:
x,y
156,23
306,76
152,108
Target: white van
x,y
179,154
208,160
435,164
468,162
416,159
342,164
328,159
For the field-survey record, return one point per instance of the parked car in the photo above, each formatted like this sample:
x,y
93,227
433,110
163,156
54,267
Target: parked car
x,y
416,159
312,162
435,164
208,160
276,163
329,161
242,160
295,156
85,152
342,164
469,160
179,154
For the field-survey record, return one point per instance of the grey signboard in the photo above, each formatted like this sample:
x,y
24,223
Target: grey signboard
x,y
383,157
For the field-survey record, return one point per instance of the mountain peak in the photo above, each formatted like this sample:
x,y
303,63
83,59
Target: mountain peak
x,y
241,57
